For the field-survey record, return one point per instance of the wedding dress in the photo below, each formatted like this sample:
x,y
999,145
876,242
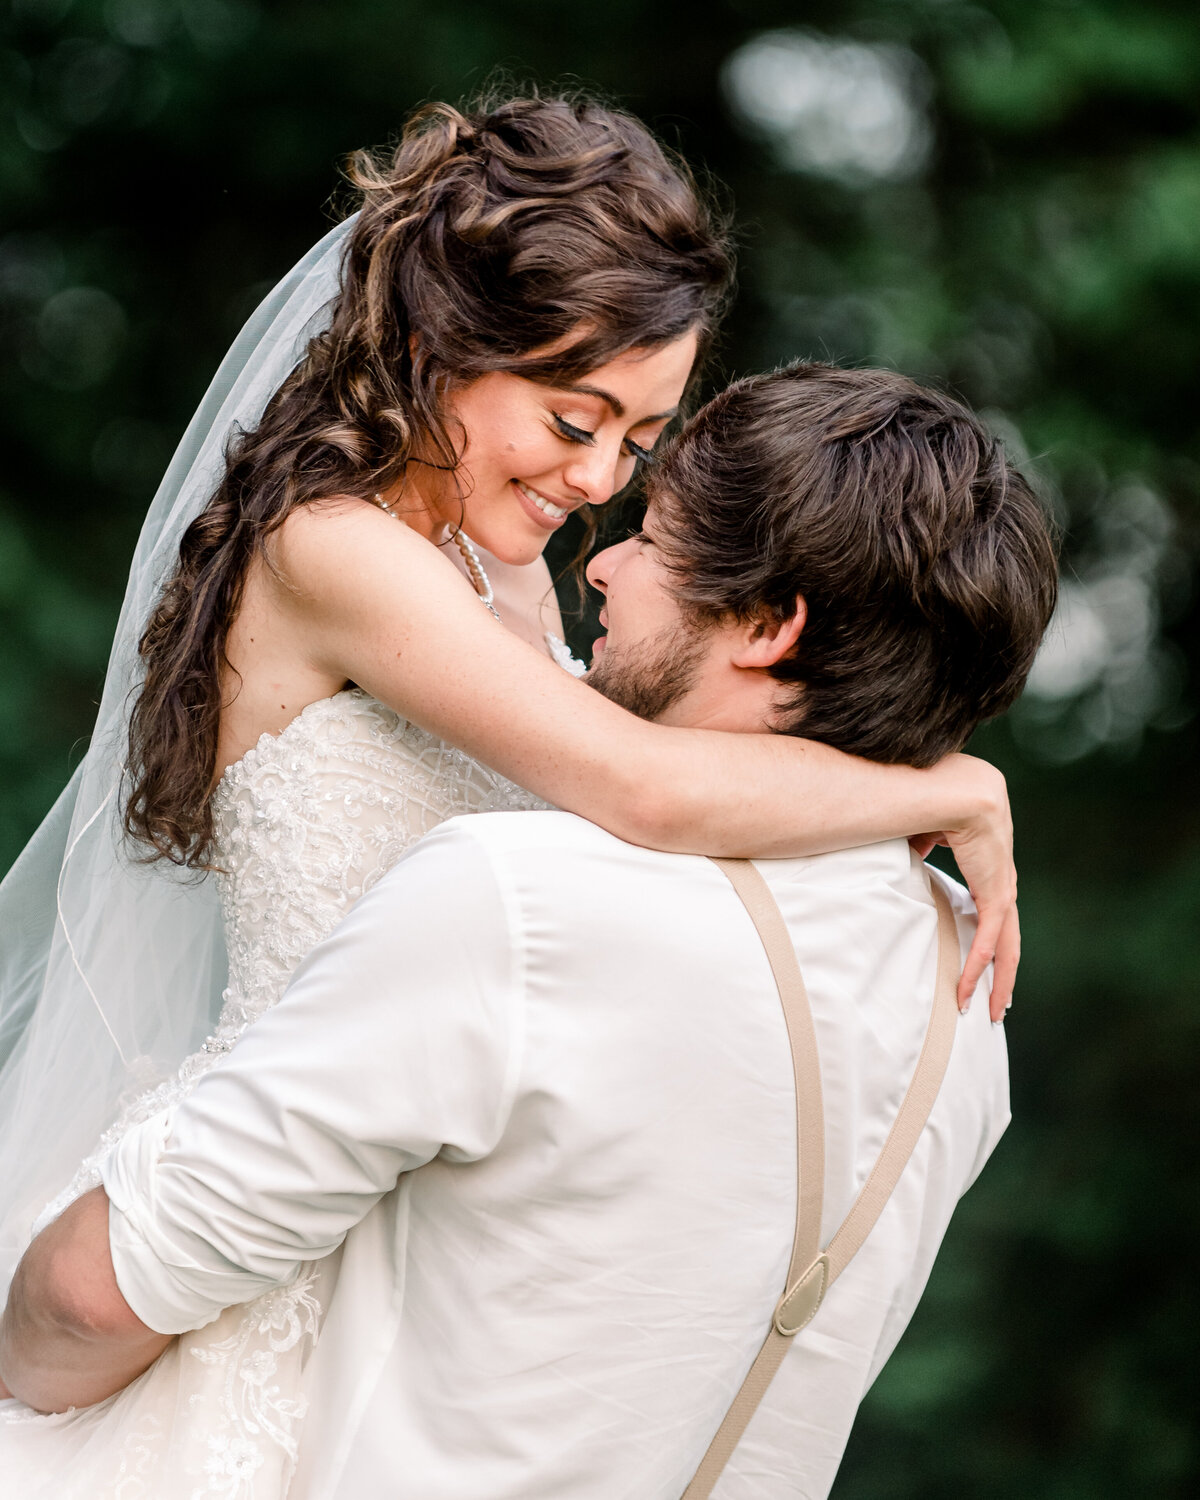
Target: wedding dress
x,y
306,822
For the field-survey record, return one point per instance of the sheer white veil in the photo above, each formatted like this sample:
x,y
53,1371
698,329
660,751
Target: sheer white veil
x,y
110,970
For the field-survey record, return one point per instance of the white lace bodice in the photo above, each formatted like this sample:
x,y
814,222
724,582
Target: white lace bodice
x,y
308,820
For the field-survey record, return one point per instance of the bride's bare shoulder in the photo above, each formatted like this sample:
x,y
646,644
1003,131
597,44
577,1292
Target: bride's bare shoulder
x,y
323,542
340,521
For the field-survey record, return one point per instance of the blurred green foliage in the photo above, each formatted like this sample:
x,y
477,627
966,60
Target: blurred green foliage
x,y
1002,197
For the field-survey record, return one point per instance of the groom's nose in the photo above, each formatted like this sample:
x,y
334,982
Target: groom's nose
x,y
597,569
602,565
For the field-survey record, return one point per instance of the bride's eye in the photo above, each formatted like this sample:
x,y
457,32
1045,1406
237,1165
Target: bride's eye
x,y
572,434
575,434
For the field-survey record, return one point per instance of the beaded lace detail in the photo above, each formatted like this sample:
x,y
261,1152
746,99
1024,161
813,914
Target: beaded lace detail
x,y
309,820
306,822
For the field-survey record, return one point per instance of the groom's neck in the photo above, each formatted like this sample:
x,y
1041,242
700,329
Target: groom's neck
x,y
731,699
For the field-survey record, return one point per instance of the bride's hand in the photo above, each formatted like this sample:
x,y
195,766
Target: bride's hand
x,y
982,845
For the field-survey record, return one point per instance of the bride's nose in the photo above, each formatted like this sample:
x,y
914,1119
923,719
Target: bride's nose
x,y
598,473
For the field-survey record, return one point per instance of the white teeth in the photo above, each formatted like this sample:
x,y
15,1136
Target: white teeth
x,y
555,512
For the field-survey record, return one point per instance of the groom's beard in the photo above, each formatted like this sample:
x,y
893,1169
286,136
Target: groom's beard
x,y
650,676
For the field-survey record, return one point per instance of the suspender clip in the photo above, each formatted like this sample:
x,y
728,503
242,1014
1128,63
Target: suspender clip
x,y
799,1303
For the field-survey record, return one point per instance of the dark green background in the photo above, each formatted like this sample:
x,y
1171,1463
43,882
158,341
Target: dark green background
x,y
162,162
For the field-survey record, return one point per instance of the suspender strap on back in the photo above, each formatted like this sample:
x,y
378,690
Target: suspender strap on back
x,y
812,1271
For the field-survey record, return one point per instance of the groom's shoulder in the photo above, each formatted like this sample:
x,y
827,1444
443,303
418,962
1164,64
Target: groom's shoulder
x,y
542,852
540,856
545,832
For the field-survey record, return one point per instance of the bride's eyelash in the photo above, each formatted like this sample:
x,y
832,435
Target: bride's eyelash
x,y
578,435
573,434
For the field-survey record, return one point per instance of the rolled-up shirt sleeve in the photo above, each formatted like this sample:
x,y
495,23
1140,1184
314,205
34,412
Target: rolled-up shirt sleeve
x,y
396,1041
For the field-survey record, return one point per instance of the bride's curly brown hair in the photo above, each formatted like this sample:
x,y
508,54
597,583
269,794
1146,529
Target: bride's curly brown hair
x,y
490,232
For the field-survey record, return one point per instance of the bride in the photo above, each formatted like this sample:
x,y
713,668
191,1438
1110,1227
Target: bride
x,y
311,670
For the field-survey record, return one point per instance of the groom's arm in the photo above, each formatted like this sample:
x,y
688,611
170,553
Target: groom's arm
x,y
68,1337
391,1045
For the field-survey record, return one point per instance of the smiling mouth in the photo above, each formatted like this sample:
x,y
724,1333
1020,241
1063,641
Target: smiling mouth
x,y
547,507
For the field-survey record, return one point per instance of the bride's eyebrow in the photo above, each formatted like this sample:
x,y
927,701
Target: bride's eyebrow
x,y
611,400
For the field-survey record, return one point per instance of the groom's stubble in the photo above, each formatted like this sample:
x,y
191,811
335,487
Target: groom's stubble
x,y
648,677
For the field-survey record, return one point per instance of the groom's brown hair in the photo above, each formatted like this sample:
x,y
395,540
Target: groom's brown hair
x,y
925,560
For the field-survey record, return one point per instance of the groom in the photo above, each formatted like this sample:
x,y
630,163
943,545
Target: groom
x,y
537,1084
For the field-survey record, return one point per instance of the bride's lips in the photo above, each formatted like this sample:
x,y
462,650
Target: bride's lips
x,y
534,511
598,646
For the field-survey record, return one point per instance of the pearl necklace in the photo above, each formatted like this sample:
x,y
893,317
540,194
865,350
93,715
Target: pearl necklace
x,y
481,583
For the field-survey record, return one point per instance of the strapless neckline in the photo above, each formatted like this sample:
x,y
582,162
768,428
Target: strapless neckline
x,y
267,738
307,820
558,649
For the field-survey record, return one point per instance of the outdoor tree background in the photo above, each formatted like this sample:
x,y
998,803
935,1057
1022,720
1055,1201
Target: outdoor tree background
x,y
1002,197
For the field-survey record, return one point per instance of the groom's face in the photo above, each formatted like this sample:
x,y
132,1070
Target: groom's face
x,y
651,655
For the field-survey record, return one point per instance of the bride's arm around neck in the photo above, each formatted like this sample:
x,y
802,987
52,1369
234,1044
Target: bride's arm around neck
x,y
359,598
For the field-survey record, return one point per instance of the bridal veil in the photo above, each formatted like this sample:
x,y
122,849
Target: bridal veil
x,y
111,970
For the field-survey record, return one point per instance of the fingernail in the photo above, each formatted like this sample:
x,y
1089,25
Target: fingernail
x,y
964,1008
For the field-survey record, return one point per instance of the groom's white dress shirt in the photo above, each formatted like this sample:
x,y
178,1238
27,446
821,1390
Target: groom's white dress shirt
x,y
539,1082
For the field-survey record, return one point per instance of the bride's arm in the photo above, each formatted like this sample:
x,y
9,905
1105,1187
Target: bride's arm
x,y
371,601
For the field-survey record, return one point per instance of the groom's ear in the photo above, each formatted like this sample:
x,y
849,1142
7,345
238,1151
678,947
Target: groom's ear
x,y
768,640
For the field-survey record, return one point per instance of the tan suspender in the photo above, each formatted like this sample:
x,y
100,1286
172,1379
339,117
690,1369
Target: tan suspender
x,y
812,1270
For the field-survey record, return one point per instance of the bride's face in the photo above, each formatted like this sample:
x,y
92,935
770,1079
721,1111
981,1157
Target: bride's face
x,y
534,453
